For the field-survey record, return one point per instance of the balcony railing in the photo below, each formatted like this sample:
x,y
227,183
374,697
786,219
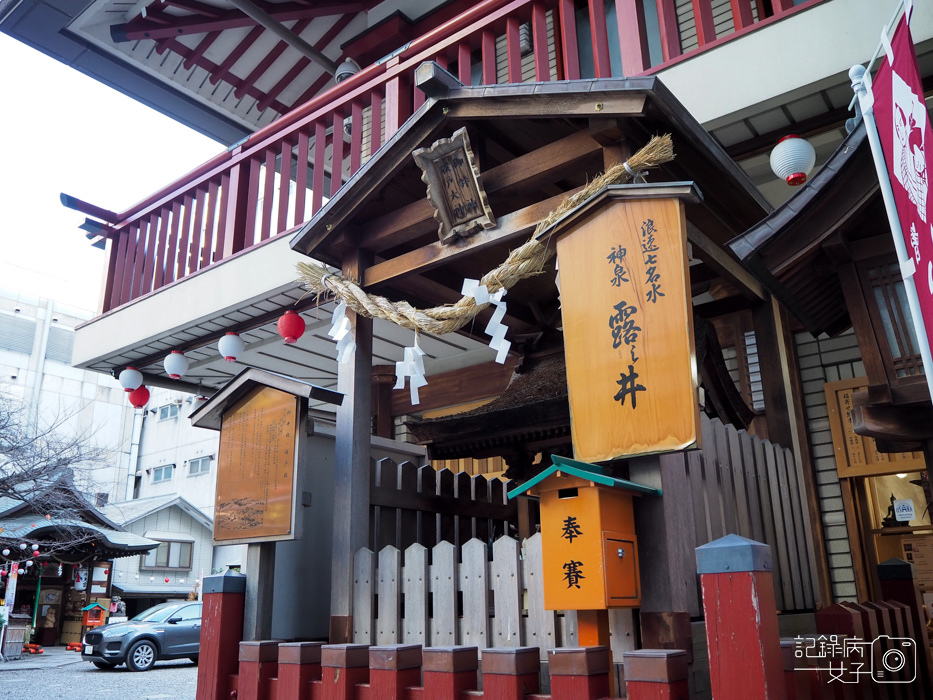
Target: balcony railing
x,y
280,176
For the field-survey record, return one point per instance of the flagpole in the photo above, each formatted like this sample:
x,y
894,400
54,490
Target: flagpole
x,y
904,259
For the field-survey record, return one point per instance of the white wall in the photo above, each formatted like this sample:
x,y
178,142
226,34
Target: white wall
x,y
36,337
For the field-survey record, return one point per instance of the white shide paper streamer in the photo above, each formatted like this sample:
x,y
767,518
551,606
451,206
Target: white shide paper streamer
x,y
495,328
412,366
340,332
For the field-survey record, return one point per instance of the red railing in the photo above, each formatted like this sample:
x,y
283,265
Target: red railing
x,y
279,177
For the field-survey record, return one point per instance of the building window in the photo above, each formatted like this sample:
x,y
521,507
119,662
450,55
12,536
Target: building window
x,y
201,465
162,473
168,411
168,555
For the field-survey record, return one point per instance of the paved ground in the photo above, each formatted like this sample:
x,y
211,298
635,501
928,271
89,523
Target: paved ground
x,y
58,671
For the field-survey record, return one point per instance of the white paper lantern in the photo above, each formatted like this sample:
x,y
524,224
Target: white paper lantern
x,y
131,379
5,552
176,364
793,159
231,346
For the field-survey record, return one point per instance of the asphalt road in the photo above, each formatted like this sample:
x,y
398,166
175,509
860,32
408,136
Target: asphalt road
x,y
167,680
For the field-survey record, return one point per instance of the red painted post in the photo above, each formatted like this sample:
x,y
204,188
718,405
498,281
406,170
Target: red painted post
x,y
342,667
741,619
898,583
221,632
656,674
299,664
393,668
580,673
259,661
510,674
449,671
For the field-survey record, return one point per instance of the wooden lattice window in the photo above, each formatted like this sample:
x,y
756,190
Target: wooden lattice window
x,y
886,299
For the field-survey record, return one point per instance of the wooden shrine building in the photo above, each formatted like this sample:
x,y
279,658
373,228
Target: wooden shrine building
x,y
534,145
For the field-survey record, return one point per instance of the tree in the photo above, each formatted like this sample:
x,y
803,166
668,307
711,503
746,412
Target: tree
x,y
44,470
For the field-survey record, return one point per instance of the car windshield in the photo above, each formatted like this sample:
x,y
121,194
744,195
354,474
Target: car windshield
x,y
159,613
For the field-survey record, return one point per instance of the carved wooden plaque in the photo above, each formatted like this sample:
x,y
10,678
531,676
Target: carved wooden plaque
x,y
455,188
857,455
256,472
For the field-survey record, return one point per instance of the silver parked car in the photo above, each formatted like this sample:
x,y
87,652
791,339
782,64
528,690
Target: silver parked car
x,y
167,631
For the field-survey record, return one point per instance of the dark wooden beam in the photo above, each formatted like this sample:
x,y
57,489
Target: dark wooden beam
x,y
899,423
727,267
517,225
485,381
504,106
543,166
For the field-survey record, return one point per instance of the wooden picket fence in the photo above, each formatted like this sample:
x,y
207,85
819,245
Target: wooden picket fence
x,y
741,484
411,504
449,600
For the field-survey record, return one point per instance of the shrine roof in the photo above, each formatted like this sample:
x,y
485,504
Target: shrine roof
x,y
787,251
583,470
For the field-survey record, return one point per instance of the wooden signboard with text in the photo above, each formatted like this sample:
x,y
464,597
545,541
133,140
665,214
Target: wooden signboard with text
x,y
857,455
256,473
628,328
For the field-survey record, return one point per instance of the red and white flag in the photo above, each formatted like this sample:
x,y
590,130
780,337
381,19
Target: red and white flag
x,y
906,136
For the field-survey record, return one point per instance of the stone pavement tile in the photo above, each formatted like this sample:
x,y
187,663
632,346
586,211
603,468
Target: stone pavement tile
x,y
53,657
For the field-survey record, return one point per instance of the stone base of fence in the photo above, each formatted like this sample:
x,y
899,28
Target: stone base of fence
x,y
270,670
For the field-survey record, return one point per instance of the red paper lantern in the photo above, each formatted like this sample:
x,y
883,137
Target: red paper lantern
x,y
291,326
36,553
166,579
106,572
139,397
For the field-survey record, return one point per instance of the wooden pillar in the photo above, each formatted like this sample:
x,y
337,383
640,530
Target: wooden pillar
x,y
666,561
449,671
784,411
299,664
393,668
510,674
221,631
741,619
580,673
351,465
259,661
260,571
656,674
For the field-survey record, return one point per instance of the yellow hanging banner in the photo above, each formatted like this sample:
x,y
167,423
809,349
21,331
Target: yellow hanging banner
x,y
628,327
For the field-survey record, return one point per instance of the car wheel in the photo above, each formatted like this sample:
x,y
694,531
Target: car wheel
x,y
141,656
103,665
193,659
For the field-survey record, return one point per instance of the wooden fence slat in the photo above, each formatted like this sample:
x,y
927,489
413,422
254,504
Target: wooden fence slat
x,y
268,195
375,121
498,494
152,235
726,483
446,521
123,267
338,148
464,63
406,519
790,526
751,485
364,578
213,197
704,22
569,636
474,584
389,590
621,631
800,517
356,136
183,251
159,261
427,521
741,14
779,545
566,14
513,50
385,527
444,586
541,627
317,177
463,490
415,591
711,483
633,36
540,42
479,491
250,217
697,490
507,594
172,247
743,517
599,35
669,29
771,535
488,44
285,179
301,176
138,253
